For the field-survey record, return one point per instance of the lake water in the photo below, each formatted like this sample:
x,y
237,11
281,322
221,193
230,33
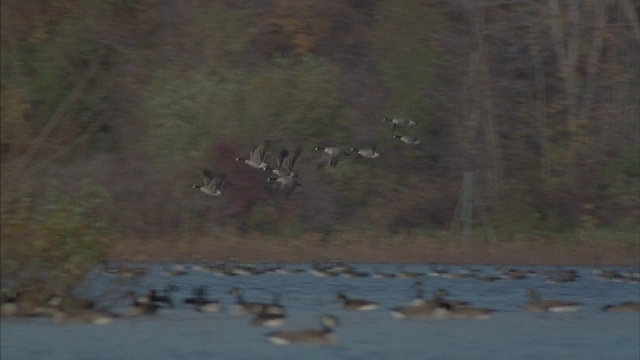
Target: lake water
x,y
182,333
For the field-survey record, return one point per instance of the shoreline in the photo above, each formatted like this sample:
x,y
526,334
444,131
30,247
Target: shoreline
x,y
375,251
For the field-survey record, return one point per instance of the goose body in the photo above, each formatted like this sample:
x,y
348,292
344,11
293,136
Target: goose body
x,y
428,310
422,308
284,178
538,305
356,304
626,306
242,307
212,183
176,270
142,305
200,302
256,156
330,155
322,336
449,303
369,153
409,140
399,122
285,162
9,308
87,316
269,317
160,299
286,184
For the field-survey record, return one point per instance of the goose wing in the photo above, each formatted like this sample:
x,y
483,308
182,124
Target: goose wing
x,y
290,161
258,152
324,159
284,154
218,181
207,176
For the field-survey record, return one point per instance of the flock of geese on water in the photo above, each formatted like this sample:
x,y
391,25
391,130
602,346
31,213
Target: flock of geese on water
x,y
70,309
283,178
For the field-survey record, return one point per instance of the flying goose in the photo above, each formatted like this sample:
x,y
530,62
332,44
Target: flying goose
x,y
399,121
538,305
395,122
323,336
407,139
330,155
369,153
212,183
356,304
256,156
287,183
284,178
285,162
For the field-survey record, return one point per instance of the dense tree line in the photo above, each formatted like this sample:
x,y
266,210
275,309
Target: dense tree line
x,y
120,104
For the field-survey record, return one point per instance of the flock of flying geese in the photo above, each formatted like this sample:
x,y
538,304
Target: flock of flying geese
x,y
283,177
272,314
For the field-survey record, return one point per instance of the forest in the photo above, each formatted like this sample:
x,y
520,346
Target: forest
x,y
110,109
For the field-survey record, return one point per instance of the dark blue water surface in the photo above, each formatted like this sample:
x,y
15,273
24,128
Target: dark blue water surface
x,y
182,333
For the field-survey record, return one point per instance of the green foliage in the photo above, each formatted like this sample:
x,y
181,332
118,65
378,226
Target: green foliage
x,y
16,130
57,239
189,112
262,218
313,108
183,80
515,216
47,82
359,182
405,54
626,166
218,32
272,218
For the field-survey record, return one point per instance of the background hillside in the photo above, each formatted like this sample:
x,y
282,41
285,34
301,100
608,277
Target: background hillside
x,y
110,110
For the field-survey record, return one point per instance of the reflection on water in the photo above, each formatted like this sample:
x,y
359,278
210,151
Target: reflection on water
x,y
181,332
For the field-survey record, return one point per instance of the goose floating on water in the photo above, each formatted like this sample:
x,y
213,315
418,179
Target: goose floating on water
x,y
322,336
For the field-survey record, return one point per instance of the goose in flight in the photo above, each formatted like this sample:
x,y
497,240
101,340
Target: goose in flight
x,y
212,183
256,156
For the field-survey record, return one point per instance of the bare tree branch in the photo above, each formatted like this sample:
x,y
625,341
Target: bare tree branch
x,y
57,116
